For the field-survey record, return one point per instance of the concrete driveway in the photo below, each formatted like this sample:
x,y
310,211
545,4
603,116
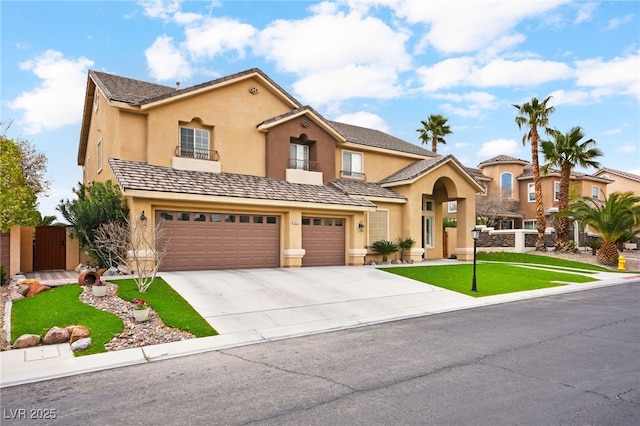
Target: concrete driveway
x,y
277,303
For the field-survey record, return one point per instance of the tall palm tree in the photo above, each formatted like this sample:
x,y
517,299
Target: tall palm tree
x,y
532,115
566,151
614,219
434,130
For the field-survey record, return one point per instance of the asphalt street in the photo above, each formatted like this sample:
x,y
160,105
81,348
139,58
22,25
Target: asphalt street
x,y
567,359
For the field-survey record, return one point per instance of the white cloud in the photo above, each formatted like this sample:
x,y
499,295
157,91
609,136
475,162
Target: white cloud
x,y
627,148
612,132
349,82
474,104
364,119
165,62
585,12
570,97
160,9
467,71
58,100
469,26
616,22
619,75
499,147
215,36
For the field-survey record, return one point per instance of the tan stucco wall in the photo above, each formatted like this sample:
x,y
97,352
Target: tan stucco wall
x,y
376,165
495,171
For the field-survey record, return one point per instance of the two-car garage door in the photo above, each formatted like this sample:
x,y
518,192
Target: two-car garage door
x,y
201,241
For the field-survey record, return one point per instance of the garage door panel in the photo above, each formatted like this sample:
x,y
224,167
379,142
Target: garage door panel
x,y
323,241
223,241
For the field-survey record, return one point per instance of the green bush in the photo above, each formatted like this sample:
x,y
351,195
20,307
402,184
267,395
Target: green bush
x,y
385,248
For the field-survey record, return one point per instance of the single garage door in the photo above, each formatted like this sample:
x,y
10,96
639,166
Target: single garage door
x,y
201,241
323,241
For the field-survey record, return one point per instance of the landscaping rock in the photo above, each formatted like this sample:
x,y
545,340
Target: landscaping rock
x,y
26,341
56,335
78,332
125,269
35,288
23,289
15,296
111,272
81,344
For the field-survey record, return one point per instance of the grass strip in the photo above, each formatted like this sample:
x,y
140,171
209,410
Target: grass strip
x,y
62,307
491,278
538,260
168,304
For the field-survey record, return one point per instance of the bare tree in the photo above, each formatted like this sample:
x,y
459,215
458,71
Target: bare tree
x,y
493,208
137,244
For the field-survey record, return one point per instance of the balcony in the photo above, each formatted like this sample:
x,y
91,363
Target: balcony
x,y
196,159
304,171
348,174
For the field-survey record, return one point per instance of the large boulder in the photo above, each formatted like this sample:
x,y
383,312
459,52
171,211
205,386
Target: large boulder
x,y
77,332
26,341
81,344
56,335
35,288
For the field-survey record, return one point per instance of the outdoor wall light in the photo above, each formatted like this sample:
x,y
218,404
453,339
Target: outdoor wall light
x,y
361,226
475,234
143,218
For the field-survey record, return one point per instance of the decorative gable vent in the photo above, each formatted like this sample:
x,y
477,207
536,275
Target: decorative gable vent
x,y
304,124
253,90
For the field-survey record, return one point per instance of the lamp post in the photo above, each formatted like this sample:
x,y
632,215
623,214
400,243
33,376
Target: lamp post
x,y
475,234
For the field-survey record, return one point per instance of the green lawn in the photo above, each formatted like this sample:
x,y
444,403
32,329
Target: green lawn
x,y
61,306
170,306
491,278
538,259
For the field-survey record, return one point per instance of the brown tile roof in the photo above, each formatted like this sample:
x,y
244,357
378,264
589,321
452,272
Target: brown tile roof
x,y
135,175
139,92
502,159
378,139
416,169
603,171
477,174
365,189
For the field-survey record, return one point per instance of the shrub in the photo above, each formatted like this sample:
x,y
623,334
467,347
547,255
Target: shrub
x,y
385,248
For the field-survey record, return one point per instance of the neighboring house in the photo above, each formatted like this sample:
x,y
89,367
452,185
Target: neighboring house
x,y
244,176
620,181
511,186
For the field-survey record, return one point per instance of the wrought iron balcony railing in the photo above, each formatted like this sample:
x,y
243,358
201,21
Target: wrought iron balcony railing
x,y
312,166
198,153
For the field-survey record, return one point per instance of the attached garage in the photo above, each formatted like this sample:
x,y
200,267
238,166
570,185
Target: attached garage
x,y
323,241
201,241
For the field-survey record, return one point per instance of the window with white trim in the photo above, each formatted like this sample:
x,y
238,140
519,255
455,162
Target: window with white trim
x,y
453,207
506,185
529,224
595,192
352,165
99,154
194,143
298,156
556,190
531,192
378,226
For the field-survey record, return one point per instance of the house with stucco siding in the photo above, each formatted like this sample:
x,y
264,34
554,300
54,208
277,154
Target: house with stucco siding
x,y
242,175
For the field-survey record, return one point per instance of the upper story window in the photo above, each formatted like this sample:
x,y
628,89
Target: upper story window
x,y
556,191
99,155
298,156
453,207
531,192
595,192
194,143
506,185
352,165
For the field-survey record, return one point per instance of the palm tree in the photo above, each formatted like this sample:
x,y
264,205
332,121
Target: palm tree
x,y
434,130
535,114
567,151
614,219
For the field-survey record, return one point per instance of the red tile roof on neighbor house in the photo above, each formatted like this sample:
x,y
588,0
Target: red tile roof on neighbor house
x,y
135,175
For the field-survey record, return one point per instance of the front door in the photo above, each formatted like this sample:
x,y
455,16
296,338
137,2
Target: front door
x,y
50,248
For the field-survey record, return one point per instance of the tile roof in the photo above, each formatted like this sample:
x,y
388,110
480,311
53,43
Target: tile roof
x,y
377,139
502,159
416,169
139,92
365,189
603,171
135,175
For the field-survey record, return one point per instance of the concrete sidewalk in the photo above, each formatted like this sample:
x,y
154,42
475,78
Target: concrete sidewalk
x,y
253,306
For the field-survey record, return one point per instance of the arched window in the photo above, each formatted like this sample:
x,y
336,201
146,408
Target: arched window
x,y
506,185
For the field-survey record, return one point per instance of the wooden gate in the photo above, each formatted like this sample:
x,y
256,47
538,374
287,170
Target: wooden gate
x,y
49,248
445,244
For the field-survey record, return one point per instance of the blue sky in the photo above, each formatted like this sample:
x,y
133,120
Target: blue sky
x,y
384,64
